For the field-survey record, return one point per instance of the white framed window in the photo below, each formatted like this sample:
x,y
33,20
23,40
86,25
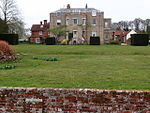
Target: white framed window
x,y
94,22
58,22
83,32
58,13
75,21
94,33
67,21
40,32
75,33
37,41
49,33
94,13
106,24
84,21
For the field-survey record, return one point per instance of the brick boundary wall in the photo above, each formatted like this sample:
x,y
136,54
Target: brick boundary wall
x,y
50,100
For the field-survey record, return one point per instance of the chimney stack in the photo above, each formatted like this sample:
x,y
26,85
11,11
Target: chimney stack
x,y
41,23
45,22
68,6
86,6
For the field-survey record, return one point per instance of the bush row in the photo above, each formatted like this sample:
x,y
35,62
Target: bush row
x,y
10,38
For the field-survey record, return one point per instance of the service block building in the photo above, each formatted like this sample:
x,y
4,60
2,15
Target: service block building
x,y
81,24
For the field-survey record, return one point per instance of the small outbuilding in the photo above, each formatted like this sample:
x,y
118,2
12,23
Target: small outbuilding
x,y
128,36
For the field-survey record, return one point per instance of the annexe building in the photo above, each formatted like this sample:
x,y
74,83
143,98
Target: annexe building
x,y
81,24
39,32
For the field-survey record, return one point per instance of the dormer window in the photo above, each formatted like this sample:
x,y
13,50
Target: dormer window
x,y
58,13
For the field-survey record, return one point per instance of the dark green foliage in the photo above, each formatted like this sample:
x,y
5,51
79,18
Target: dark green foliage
x,y
7,67
3,26
70,36
58,32
45,58
50,59
50,41
114,42
94,40
139,39
148,29
10,38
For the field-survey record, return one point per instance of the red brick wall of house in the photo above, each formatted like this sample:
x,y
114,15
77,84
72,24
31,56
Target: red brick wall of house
x,y
42,100
35,35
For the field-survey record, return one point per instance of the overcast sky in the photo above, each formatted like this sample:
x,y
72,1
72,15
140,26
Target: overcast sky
x,y
33,11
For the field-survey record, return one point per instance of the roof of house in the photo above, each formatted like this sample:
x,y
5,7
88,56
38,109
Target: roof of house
x,y
129,34
39,27
121,33
76,10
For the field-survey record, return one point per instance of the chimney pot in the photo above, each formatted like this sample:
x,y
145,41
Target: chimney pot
x,y
45,22
68,6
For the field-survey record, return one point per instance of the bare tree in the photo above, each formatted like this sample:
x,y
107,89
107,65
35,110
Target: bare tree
x,y
8,10
11,16
138,23
147,24
124,25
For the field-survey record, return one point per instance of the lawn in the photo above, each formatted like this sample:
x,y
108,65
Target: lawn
x,y
80,66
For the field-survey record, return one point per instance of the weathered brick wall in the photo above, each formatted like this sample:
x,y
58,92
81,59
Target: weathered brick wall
x,y
36,100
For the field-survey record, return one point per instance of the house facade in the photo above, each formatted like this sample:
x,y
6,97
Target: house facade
x,y
120,35
81,24
39,32
124,36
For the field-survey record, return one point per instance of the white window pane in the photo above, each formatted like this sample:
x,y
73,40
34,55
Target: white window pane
x,y
93,13
58,22
94,33
40,32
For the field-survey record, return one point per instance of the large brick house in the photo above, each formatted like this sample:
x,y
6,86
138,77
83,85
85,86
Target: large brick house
x,y
82,23
39,32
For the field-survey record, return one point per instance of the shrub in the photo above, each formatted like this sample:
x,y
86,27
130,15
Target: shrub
x,y
64,42
50,41
114,42
94,40
5,48
45,58
6,52
7,67
139,39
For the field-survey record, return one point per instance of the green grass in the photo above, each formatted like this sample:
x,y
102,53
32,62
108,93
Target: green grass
x,y
83,66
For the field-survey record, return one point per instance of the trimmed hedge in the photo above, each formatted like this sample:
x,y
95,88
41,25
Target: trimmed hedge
x,y
94,40
10,38
140,39
50,41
